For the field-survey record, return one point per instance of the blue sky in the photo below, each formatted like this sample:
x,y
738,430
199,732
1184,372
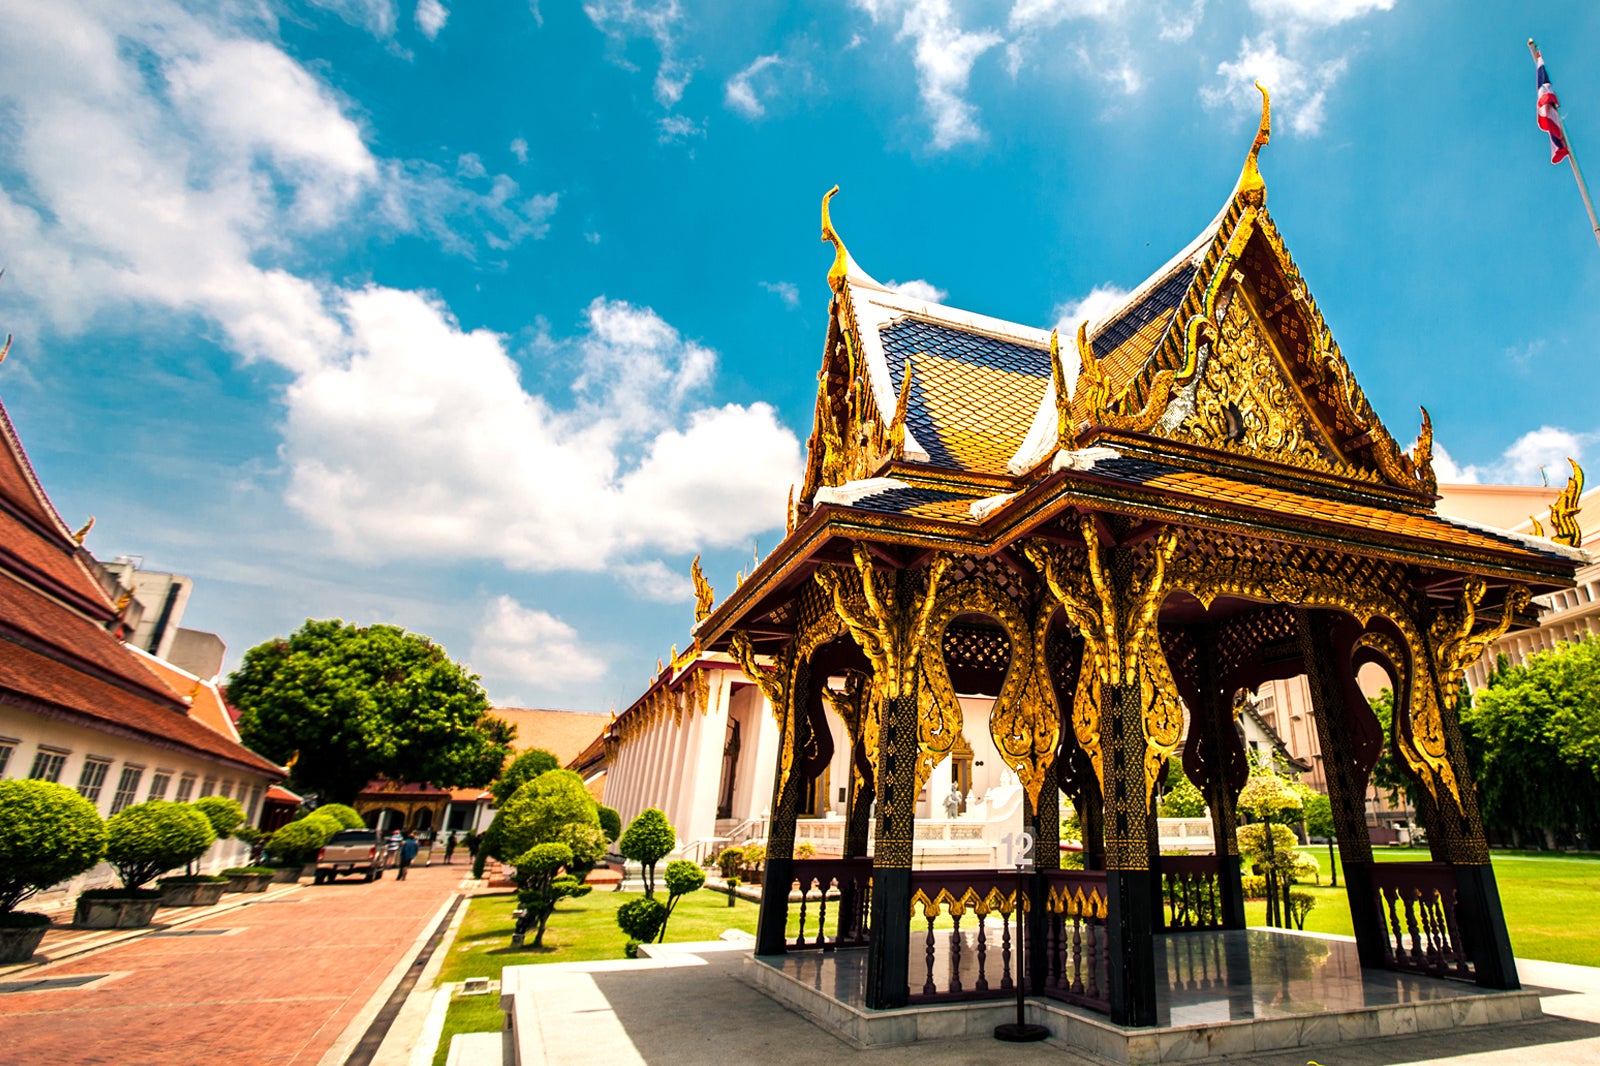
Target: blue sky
x,y
484,318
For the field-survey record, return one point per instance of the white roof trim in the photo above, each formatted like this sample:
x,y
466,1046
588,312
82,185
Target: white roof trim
x,y
1082,459
981,509
1192,253
1527,539
852,492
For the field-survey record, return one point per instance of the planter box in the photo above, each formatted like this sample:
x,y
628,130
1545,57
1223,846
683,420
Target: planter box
x,y
750,875
192,893
248,882
115,913
19,942
286,875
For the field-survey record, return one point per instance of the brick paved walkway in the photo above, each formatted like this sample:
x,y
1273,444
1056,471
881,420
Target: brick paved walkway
x,y
276,989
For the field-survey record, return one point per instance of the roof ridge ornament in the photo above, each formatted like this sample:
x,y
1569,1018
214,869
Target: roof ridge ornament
x,y
841,258
1252,187
1564,511
83,530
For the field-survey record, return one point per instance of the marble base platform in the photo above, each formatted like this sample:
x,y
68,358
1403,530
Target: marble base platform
x,y
1225,993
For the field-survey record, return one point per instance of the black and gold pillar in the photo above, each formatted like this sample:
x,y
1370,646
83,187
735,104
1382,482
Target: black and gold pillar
x,y
778,876
888,953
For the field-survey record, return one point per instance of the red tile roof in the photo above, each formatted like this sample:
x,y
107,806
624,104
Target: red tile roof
x,y
563,734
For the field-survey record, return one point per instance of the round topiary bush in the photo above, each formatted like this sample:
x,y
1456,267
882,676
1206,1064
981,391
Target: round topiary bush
x,y
610,822
150,838
224,814
345,815
642,919
297,843
50,834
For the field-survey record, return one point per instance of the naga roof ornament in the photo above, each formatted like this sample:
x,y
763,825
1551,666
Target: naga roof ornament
x,y
1564,511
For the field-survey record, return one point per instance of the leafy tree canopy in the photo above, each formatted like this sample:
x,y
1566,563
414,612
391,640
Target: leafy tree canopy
x,y
51,833
150,838
553,808
1319,814
524,768
353,703
345,815
1182,798
1386,772
223,812
646,841
1270,798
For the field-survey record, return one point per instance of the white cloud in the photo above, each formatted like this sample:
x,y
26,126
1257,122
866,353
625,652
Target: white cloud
x,y
470,166
1320,12
519,148
786,291
1299,89
135,178
375,16
532,647
919,289
744,90
431,16
1042,14
1546,448
423,443
1101,301
943,54
1449,472
621,20
654,580
674,128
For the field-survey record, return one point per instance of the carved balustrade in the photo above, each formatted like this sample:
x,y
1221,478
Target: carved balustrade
x,y
1417,905
959,962
836,889
1191,892
1076,961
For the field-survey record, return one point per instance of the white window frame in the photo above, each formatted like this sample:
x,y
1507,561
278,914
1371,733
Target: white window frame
x,y
8,748
58,764
92,777
208,787
226,789
164,779
185,788
127,789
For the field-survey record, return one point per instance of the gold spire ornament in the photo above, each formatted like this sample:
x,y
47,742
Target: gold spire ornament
x,y
704,596
1252,187
1058,375
83,530
1564,511
841,258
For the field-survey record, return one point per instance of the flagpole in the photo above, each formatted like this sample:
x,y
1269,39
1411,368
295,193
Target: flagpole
x,y
1572,157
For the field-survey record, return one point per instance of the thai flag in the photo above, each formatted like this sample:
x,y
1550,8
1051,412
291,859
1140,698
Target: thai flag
x,y
1549,113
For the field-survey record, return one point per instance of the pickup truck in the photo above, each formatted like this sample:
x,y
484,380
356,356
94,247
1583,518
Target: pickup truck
x,y
351,851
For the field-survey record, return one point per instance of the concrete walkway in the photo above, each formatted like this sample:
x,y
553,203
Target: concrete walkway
x,y
692,1006
283,981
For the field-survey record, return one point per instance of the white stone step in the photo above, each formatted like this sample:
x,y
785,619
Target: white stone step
x,y
477,1049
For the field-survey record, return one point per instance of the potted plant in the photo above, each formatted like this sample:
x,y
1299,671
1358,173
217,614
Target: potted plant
x,y
143,842
729,861
248,878
51,834
754,856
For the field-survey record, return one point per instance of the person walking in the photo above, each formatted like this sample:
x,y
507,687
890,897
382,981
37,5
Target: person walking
x,y
408,851
449,848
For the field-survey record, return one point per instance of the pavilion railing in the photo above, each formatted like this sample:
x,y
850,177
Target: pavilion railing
x,y
834,897
1417,906
1077,963
972,917
1191,892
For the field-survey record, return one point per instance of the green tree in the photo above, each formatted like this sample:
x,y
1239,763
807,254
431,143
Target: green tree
x,y
296,843
1319,823
610,822
223,812
344,814
524,768
1386,772
353,703
681,878
647,840
1182,799
553,808
540,886
50,834
1534,736
150,838
1274,803
641,919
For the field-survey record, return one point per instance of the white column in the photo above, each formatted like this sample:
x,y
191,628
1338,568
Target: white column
x,y
684,769
701,800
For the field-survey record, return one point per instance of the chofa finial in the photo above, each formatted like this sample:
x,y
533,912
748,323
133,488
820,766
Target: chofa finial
x,y
841,258
83,530
1250,181
1564,511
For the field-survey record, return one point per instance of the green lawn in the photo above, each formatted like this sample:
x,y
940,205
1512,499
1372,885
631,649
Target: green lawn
x,y
581,930
1551,902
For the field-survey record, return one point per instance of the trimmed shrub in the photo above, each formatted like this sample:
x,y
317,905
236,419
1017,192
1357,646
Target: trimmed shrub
x,y
729,862
641,919
150,838
805,850
242,871
554,808
533,763
647,840
733,890
297,842
755,855
682,877
346,816
224,814
610,822
541,885
1254,887
1300,905
51,833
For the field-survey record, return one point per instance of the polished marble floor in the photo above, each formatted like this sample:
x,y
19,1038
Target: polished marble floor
x,y
1210,977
